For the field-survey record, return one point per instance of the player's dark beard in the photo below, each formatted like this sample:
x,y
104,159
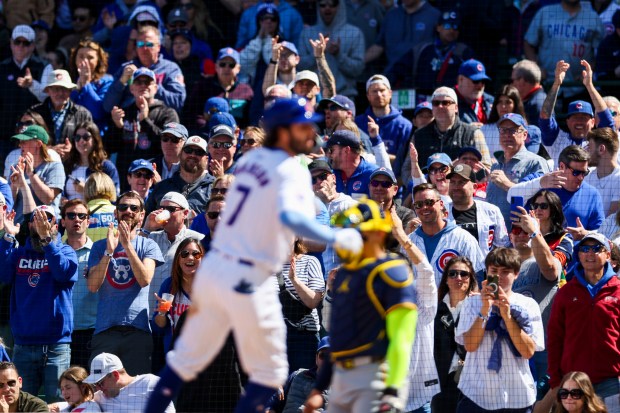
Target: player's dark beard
x,y
36,241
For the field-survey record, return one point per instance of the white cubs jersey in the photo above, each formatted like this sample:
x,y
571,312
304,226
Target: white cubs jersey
x,y
268,182
490,224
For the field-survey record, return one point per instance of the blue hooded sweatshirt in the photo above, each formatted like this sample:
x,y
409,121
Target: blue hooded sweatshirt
x,y
41,297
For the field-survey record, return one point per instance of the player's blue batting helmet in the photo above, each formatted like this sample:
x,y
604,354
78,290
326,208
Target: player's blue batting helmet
x,y
286,112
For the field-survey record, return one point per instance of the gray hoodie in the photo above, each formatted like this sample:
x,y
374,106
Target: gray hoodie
x,y
348,64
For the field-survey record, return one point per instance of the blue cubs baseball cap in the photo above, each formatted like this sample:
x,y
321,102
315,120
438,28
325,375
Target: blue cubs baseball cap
x,y
580,106
514,118
438,157
344,138
144,71
222,118
474,70
422,106
140,164
290,46
338,100
176,129
229,52
286,112
384,171
324,343
216,104
470,149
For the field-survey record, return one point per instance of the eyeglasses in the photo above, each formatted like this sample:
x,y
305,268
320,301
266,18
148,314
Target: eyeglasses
x,y
143,82
21,124
192,151
213,215
320,177
577,172
195,254
100,382
173,139
425,203
597,249
439,170
384,184
24,43
10,383
509,131
77,18
142,43
72,215
86,137
145,175
229,65
458,273
171,209
542,205
248,142
125,207
575,394
442,103
219,191
218,145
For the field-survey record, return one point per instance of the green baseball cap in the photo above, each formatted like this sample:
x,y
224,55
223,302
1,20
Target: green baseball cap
x,y
33,132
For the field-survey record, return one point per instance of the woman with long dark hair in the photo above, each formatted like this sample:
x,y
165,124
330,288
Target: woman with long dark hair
x,y
457,283
85,157
508,100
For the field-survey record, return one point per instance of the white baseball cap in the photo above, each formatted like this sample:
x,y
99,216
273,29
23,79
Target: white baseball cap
x,y
59,77
446,92
375,79
196,141
306,75
177,198
101,366
24,31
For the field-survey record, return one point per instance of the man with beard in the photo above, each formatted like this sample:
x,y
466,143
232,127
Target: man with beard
x,y
121,269
42,274
268,205
605,176
192,180
307,86
474,103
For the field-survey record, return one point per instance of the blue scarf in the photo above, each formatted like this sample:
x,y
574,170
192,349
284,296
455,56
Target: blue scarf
x,y
496,323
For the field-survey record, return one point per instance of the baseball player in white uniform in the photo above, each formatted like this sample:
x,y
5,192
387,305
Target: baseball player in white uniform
x,y
269,203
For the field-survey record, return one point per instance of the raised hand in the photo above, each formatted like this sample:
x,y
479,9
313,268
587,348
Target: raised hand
x,y
111,238
276,48
555,179
124,234
127,73
319,45
413,154
143,107
118,115
577,232
560,71
586,74
26,80
373,128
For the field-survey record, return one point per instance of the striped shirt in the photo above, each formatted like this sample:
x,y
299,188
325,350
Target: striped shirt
x,y
308,271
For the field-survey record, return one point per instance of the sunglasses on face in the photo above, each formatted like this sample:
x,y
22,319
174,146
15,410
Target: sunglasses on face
x,y
24,43
195,254
320,177
192,151
86,137
574,394
100,382
219,191
72,215
173,139
442,103
171,209
458,273
268,18
140,175
79,18
577,172
10,383
248,142
218,145
384,184
228,65
213,215
21,124
542,205
425,203
125,207
439,170
515,230
142,43
449,26
597,249
334,108
509,131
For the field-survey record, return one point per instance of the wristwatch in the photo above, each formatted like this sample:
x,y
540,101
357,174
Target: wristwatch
x,y
9,238
46,241
273,62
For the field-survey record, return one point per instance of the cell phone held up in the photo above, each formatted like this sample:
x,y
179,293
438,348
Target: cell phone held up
x,y
515,202
493,283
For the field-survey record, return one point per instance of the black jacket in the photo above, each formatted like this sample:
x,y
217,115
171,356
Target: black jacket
x,y
76,114
197,194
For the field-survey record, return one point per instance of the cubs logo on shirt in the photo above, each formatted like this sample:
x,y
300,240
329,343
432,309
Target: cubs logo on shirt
x,y
119,273
443,259
357,185
33,279
491,236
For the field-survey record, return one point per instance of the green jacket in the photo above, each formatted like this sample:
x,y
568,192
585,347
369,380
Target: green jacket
x,y
29,403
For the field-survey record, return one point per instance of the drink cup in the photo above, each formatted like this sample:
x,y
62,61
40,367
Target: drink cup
x,y
167,304
162,217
